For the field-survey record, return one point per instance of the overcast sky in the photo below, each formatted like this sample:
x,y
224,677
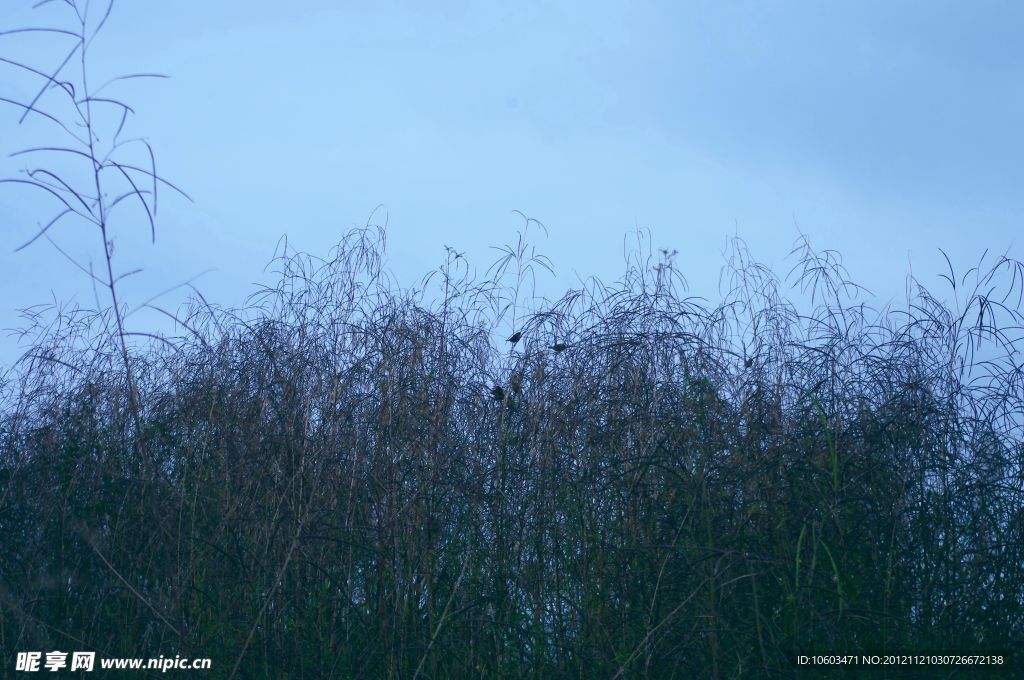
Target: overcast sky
x,y
883,130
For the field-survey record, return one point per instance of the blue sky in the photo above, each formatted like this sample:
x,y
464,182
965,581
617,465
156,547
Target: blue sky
x,y
882,130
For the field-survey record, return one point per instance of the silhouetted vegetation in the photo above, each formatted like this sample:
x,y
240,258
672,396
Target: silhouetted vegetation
x,y
325,484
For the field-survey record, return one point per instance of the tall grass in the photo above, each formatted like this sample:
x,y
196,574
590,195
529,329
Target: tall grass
x,y
685,490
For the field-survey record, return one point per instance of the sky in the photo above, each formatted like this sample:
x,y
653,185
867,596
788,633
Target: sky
x,y
883,130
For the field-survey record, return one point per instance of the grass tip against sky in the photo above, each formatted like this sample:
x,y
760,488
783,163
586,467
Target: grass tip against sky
x,y
882,131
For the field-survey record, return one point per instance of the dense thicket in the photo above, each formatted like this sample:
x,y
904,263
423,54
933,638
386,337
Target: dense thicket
x,y
327,484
